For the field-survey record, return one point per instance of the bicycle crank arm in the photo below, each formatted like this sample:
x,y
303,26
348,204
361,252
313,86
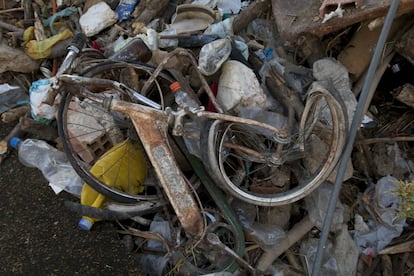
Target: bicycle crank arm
x,y
151,125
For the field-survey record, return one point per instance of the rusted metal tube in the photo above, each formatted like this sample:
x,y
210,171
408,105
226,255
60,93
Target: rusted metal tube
x,y
151,126
281,135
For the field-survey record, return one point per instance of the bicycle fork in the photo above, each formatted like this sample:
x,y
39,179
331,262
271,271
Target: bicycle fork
x,y
151,126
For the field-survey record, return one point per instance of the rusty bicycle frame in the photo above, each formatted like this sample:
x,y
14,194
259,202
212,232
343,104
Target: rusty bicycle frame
x,y
152,125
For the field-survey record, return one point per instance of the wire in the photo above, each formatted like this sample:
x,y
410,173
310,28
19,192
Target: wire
x,y
359,112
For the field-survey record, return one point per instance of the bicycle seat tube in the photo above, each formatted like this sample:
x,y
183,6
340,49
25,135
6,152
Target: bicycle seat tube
x,y
151,126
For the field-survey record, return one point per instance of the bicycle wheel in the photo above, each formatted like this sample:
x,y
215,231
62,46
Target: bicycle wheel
x,y
251,165
102,145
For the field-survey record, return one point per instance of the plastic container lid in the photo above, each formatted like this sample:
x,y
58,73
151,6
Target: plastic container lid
x,y
175,86
14,141
85,224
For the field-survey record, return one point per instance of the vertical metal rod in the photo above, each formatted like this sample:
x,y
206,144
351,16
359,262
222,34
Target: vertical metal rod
x,y
359,112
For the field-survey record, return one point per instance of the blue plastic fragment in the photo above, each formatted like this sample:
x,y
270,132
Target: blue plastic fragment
x,y
125,8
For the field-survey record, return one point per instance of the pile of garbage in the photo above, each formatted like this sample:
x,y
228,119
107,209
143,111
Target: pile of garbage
x,y
329,194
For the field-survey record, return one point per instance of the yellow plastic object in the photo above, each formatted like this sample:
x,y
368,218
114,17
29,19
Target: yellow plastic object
x,y
122,167
42,49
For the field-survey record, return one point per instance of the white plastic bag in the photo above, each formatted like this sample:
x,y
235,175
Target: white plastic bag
x,y
39,92
213,55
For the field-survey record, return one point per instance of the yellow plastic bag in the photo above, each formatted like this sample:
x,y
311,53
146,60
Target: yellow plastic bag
x,y
42,49
122,167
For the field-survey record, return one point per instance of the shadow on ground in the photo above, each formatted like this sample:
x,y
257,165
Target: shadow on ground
x,y
39,235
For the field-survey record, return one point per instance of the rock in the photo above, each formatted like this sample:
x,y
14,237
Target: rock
x,y
16,60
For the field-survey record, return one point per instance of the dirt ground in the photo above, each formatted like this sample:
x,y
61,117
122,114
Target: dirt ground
x,y
40,236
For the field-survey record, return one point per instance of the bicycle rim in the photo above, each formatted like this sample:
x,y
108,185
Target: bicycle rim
x,y
88,132
242,159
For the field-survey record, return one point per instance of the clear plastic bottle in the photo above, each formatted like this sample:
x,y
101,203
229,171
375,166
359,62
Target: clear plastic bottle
x,y
53,163
182,98
191,134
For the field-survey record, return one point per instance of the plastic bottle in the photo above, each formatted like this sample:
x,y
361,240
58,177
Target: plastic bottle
x,y
191,134
53,163
120,166
182,98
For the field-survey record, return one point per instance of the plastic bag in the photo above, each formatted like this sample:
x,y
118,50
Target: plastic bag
x,y
329,265
229,6
213,55
266,235
332,70
51,20
222,29
167,42
317,205
42,49
373,236
39,92
11,96
346,252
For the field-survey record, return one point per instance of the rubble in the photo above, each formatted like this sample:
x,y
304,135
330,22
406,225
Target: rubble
x,y
279,84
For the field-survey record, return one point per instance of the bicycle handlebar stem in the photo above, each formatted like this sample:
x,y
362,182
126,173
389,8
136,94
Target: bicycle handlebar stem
x,y
77,44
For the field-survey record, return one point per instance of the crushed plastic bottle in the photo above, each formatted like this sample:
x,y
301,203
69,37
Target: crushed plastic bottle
x,y
53,163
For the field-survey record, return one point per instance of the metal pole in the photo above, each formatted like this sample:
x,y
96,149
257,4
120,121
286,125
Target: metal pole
x,y
359,112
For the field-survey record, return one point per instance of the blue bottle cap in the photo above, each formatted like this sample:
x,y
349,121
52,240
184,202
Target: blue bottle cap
x,y
85,224
14,141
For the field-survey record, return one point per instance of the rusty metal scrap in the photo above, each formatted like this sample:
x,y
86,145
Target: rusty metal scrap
x,y
151,126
